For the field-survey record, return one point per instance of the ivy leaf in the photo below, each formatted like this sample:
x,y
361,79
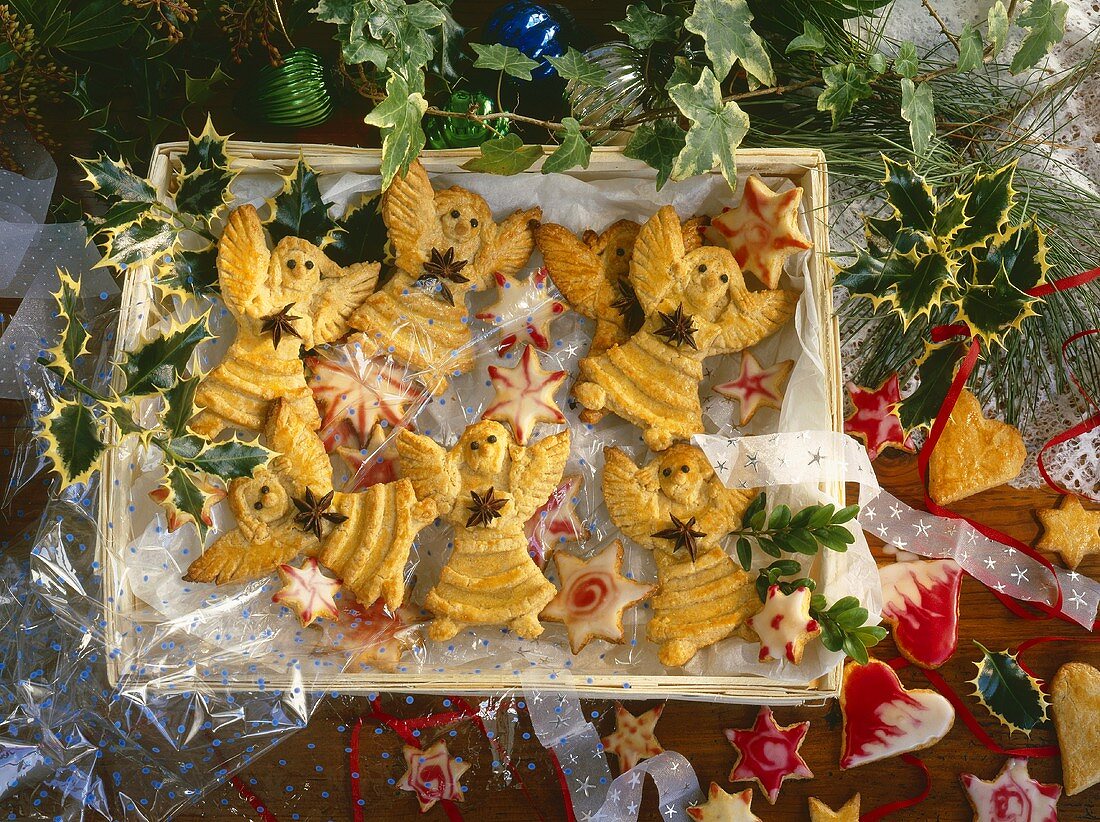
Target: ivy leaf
x,y
403,29
877,62
299,210
919,111
73,342
159,363
728,37
573,151
987,210
909,195
656,144
73,445
1046,25
644,27
230,459
1009,692
997,22
683,71
142,242
845,85
398,117
510,60
970,49
361,233
936,369
716,130
504,155
113,178
905,63
194,272
575,66
811,39
186,500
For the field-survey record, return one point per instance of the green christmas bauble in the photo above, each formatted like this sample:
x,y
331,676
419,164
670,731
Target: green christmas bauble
x,y
456,132
296,93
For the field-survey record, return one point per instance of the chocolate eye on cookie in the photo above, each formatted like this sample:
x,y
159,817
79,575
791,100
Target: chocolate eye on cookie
x,y
725,278
620,252
291,263
702,267
475,445
454,214
473,223
309,265
667,472
492,438
684,468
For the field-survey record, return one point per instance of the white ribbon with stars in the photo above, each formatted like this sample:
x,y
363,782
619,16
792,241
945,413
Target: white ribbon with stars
x,y
812,457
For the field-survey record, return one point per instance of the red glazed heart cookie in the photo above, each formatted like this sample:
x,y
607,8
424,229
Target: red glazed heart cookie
x,y
921,601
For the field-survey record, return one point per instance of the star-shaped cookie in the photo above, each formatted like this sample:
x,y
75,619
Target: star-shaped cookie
x,y
593,596
524,395
1029,799
874,418
768,753
308,591
1071,530
820,812
784,624
724,807
556,521
633,739
432,774
524,309
756,387
762,231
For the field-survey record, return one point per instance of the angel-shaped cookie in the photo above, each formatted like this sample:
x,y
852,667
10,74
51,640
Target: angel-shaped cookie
x,y
677,507
696,305
487,487
446,243
591,273
291,508
282,300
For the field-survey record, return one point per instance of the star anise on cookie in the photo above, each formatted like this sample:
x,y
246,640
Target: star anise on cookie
x,y
279,323
683,534
628,305
677,328
484,509
441,268
312,511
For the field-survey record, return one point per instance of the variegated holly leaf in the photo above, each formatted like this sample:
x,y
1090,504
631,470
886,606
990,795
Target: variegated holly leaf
x,y
1009,692
911,283
202,183
73,342
657,145
909,195
192,272
574,149
205,150
935,369
361,233
504,155
950,218
845,85
717,129
179,405
118,215
157,364
73,445
728,38
227,459
187,499
112,179
399,117
143,242
987,209
299,210
994,282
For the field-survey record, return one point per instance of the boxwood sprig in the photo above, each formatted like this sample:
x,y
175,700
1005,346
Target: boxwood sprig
x,y
782,532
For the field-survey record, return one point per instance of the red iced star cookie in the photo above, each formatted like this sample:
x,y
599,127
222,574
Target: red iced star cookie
x,y
308,591
762,231
920,599
633,739
525,309
555,522
874,418
373,464
883,719
756,387
784,624
1012,797
768,753
375,637
524,395
593,595
724,807
433,775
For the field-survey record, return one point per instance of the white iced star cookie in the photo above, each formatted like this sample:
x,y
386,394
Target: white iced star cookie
x,y
633,739
724,807
784,624
524,395
1013,795
308,591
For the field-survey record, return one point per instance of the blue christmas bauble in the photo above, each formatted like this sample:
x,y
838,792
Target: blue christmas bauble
x,y
538,30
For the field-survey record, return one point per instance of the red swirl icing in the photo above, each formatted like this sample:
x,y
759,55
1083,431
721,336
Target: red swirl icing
x,y
588,592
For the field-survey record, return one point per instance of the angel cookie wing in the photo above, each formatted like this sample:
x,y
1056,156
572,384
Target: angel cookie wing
x,y
752,316
430,468
506,248
656,266
300,461
341,293
243,265
408,209
632,496
536,471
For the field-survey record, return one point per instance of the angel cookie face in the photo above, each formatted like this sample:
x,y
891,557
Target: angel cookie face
x,y
261,497
713,274
463,217
484,448
614,246
683,474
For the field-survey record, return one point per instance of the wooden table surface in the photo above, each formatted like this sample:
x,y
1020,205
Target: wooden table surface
x,y
314,765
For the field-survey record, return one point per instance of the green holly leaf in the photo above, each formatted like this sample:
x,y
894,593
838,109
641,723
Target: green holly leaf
x,y
919,111
205,150
399,118
193,272
950,217
970,49
141,242
118,215
997,22
1022,253
505,155
991,199
73,342
656,144
575,66
716,130
179,405
186,500
230,459
905,63
204,192
1009,692
198,90
159,363
935,369
909,195
993,283
73,444
1046,25
845,85
574,149
922,288
811,39
508,59
887,235
113,178
644,27
299,210
361,233
728,38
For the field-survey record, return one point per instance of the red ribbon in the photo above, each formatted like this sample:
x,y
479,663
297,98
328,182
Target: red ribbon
x,y
253,800
1046,289
1040,640
901,804
1080,428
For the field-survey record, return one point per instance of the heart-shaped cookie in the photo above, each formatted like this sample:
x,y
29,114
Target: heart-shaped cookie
x,y
920,600
883,719
1075,695
973,454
